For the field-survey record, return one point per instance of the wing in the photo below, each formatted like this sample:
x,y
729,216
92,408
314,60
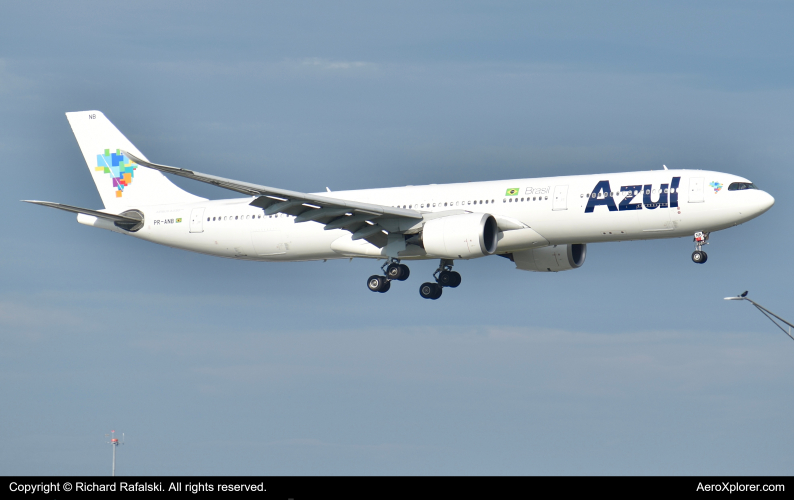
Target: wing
x,y
365,220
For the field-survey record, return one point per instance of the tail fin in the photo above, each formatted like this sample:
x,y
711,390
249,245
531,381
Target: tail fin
x,y
120,182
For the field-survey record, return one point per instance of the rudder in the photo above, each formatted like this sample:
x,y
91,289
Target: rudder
x,y
120,182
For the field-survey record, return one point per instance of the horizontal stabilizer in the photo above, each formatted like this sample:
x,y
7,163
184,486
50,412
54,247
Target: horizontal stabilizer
x,y
102,215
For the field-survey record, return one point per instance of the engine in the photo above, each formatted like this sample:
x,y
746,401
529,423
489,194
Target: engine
x,y
551,259
465,236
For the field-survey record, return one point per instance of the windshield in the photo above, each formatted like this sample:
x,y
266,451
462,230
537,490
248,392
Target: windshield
x,y
739,186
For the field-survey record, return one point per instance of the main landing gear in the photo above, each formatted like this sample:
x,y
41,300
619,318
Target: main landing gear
x,y
444,276
392,270
699,256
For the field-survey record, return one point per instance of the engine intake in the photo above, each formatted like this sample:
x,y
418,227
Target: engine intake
x,y
465,236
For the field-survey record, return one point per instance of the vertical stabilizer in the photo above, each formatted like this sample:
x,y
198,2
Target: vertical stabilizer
x,y
121,183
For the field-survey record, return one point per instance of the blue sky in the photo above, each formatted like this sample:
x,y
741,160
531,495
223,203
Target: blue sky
x,y
632,364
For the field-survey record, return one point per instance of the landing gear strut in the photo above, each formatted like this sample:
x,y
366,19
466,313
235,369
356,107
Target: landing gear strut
x,y
393,270
699,256
444,276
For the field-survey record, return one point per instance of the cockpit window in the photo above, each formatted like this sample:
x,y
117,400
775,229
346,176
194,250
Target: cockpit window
x,y
739,186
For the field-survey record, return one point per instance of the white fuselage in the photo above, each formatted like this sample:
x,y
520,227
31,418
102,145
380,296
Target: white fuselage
x,y
555,208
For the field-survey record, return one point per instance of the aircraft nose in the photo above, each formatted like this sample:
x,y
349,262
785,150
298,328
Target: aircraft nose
x,y
766,202
760,203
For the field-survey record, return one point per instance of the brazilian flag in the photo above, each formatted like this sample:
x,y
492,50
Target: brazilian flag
x,y
512,192
179,220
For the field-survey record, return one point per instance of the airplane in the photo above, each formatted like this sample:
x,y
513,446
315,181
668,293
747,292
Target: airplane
x,y
540,224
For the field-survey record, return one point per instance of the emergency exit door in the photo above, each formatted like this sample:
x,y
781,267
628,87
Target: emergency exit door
x,y
560,201
197,220
696,190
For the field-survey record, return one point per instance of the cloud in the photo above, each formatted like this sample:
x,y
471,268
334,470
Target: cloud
x,y
335,65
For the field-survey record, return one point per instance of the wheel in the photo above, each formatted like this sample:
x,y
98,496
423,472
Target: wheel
x,y
385,286
449,278
699,257
430,291
375,282
705,257
397,272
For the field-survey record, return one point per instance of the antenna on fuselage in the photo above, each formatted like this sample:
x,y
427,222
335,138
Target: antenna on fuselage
x,y
665,167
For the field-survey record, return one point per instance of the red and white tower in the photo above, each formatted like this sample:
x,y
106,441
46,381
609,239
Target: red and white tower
x,y
114,442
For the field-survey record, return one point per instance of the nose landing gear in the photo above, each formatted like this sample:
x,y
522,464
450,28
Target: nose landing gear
x,y
393,270
699,256
444,276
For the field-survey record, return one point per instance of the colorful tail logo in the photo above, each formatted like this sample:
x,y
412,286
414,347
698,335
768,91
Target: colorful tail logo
x,y
121,168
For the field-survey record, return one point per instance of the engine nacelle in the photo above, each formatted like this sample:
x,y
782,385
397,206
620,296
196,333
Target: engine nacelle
x,y
552,258
465,236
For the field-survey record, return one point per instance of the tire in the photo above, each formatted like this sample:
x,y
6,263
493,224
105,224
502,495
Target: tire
x,y
445,278
385,286
375,282
699,257
705,257
394,272
455,279
406,272
428,290
439,289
